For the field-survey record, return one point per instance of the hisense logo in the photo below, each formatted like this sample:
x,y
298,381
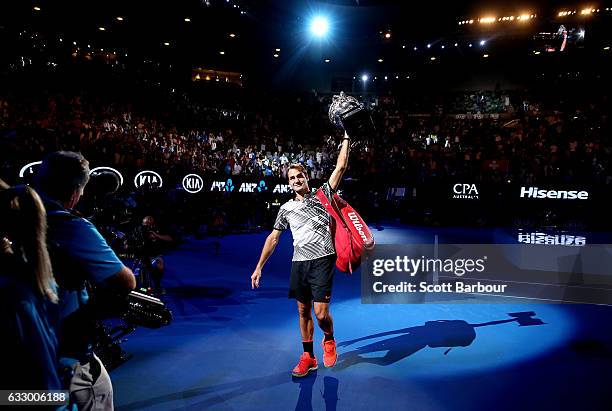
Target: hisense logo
x,y
534,192
357,223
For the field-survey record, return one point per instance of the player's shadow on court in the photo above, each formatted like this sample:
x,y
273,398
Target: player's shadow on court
x,y
434,334
215,396
329,393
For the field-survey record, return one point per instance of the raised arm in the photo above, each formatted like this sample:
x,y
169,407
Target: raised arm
x,y
341,163
266,252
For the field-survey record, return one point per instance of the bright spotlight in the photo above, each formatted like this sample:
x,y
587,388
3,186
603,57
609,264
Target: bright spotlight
x,y
581,34
482,42
364,78
319,26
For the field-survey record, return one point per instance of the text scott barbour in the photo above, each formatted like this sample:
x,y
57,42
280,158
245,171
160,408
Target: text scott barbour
x,y
425,287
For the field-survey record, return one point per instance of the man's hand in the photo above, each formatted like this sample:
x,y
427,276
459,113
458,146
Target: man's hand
x,y
255,278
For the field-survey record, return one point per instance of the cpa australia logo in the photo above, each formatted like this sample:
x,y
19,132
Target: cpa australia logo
x,y
465,191
193,183
148,178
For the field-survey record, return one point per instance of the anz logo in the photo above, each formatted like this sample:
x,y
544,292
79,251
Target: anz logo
x,y
247,188
223,185
262,187
148,178
282,189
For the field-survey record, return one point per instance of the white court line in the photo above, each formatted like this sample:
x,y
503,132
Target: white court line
x,y
539,299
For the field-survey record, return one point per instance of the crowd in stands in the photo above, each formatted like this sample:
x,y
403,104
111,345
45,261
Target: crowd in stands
x,y
484,136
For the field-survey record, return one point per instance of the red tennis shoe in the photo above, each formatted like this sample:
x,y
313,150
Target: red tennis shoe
x,y
306,364
330,356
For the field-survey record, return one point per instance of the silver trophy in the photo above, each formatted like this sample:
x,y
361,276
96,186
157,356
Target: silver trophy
x,y
348,114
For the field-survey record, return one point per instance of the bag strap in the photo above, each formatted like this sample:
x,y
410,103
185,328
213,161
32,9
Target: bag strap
x,y
332,206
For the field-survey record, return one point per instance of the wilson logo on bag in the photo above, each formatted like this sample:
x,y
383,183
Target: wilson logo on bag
x,y
352,237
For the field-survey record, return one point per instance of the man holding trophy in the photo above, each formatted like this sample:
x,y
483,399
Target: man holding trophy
x,y
314,255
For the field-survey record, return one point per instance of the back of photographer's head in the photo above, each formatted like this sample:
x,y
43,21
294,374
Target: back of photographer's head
x,y
23,239
62,176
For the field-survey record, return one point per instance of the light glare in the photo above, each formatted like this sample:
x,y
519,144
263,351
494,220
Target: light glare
x,y
319,26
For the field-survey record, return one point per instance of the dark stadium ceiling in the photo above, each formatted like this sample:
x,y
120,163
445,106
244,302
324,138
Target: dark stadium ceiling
x,y
240,35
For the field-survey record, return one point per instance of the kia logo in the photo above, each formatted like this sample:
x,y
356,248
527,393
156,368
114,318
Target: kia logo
x,y
193,183
148,177
99,170
29,169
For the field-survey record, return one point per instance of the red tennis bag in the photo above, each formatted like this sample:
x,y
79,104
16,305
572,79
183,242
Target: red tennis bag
x,y
351,234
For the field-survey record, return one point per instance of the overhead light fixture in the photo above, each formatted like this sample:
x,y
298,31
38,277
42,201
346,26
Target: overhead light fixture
x,y
187,20
319,26
487,20
364,77
166,43
485,55
277,50
119,18
222,52
380,60
36,8
275,55
387,35
101,28
432,58
232,35
327,60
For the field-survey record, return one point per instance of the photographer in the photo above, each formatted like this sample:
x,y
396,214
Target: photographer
x,y
150,241
81,258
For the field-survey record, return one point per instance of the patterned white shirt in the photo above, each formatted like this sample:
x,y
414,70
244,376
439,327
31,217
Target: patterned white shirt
x,y
309,223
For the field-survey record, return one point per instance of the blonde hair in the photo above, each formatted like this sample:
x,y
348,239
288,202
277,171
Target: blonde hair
x,y
23,229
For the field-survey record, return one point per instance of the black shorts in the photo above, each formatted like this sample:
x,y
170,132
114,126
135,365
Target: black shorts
x,y
312,280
